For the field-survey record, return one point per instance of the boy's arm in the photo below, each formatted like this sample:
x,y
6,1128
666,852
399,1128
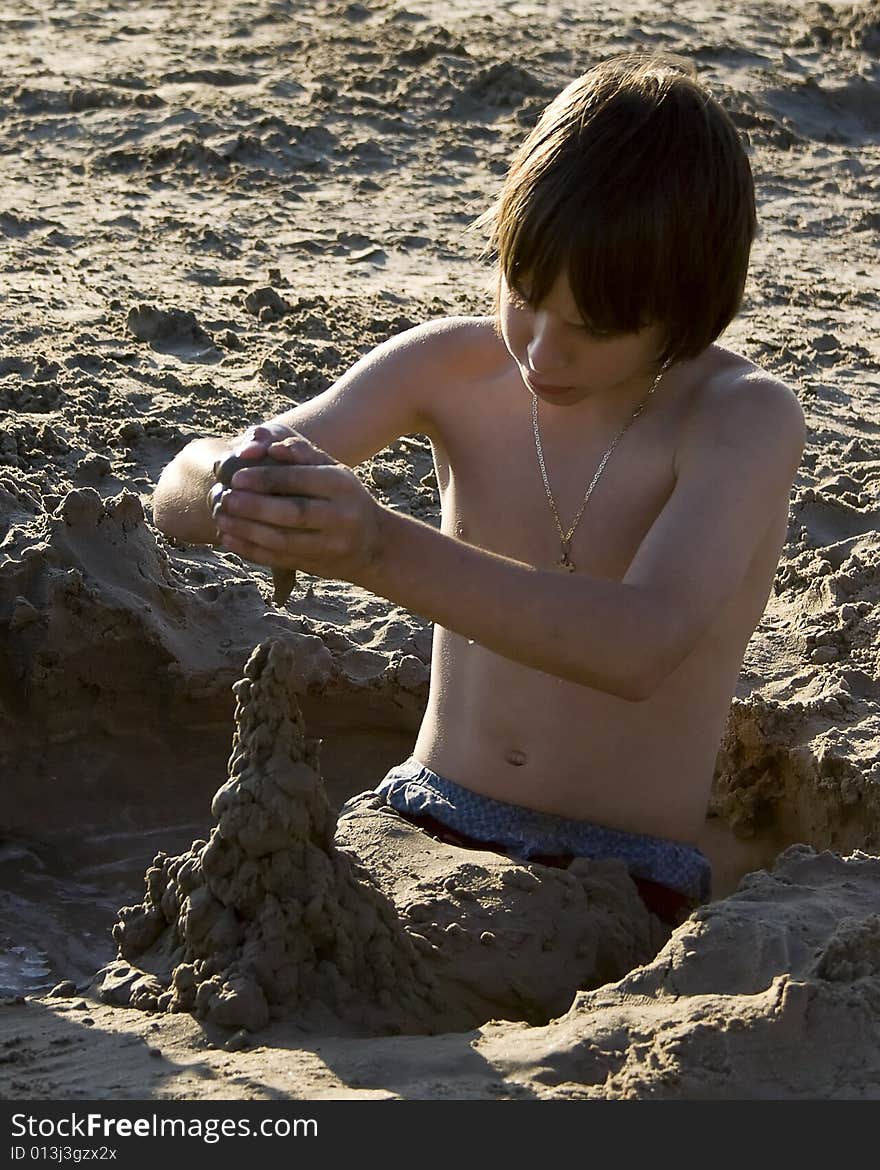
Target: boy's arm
x,y
383,396
735,472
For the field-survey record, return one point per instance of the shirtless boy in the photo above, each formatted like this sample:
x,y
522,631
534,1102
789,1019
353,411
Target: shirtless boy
x,y
585,653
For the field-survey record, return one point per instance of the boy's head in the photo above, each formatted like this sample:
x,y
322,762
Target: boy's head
x,y
635,187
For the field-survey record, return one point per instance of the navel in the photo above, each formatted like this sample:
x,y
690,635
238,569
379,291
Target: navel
x,y
516,757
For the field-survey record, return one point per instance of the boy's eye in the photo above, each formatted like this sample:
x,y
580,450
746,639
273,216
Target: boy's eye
x,y
519,299
589,330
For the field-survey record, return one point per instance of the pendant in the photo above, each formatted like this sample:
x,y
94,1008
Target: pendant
x,y
565,561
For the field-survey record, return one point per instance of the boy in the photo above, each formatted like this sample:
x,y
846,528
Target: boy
x,y
614,490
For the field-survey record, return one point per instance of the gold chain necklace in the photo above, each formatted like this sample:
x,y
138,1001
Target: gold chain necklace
x,y
565,561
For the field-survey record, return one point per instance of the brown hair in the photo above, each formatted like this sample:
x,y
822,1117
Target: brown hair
x,y
634,184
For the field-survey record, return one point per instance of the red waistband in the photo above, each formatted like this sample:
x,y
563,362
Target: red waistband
x,y
671,906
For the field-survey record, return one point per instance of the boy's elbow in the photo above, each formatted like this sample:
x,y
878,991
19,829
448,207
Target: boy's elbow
x,y
165,501
638,689
166,517
183,525
179,505
640,684
660,648
177,517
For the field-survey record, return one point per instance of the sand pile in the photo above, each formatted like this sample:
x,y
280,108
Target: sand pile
x,y
800,755
109,641
269,919
266,916
773,992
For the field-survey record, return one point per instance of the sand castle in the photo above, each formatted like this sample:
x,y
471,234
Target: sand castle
x,y
278,914
266,914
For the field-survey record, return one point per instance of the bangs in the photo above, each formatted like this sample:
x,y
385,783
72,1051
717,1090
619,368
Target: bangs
x,y
635,187
607,261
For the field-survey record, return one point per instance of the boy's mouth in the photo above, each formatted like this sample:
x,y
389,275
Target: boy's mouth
x,y
543,387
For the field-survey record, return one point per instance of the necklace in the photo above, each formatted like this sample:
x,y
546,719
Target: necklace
x,y
565,561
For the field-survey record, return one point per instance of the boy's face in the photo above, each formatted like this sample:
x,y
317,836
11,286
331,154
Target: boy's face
x,y
561,359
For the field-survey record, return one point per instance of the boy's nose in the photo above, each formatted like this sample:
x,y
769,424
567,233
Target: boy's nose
x,y
545,350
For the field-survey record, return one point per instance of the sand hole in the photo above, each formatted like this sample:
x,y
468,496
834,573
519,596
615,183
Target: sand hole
x,y
94,809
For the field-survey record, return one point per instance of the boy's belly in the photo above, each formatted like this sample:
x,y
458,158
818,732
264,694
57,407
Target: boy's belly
x,y
517,734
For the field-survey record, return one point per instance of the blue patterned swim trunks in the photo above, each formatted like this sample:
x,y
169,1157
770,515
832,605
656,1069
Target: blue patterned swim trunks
x,y
525,833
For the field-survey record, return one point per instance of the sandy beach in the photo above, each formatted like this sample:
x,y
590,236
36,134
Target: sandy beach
x,y
207,213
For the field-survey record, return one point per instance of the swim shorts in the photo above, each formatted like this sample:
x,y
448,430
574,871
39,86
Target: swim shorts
x,y
456,814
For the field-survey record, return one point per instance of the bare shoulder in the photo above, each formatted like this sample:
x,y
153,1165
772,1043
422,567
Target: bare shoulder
x,y
740,407
436,359
464,341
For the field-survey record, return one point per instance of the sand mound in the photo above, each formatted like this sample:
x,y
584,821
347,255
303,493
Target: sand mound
x,y
266,915
88,588
773,992
173,331
269,918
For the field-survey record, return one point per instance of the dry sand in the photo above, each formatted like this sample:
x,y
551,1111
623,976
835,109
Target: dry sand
x,y
208,212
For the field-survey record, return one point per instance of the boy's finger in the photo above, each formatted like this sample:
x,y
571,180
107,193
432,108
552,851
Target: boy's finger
x,y
225,468
256,440
306,544
252,449
302,454
275,510
286,479
298,449
215,497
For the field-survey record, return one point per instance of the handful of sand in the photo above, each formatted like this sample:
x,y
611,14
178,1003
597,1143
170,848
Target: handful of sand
x,y
284,579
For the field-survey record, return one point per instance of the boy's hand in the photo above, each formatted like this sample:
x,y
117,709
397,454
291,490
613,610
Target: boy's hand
x,y
255,442
284,580
298,509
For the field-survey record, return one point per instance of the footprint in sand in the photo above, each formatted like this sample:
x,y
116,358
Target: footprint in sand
x,y
173,331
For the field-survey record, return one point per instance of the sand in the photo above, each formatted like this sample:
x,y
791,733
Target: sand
x,y
208,213
362,922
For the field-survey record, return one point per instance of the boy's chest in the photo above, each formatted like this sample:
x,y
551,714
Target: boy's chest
x,y
494,495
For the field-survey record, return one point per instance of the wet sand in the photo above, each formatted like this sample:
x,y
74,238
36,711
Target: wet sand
x,y
208,212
